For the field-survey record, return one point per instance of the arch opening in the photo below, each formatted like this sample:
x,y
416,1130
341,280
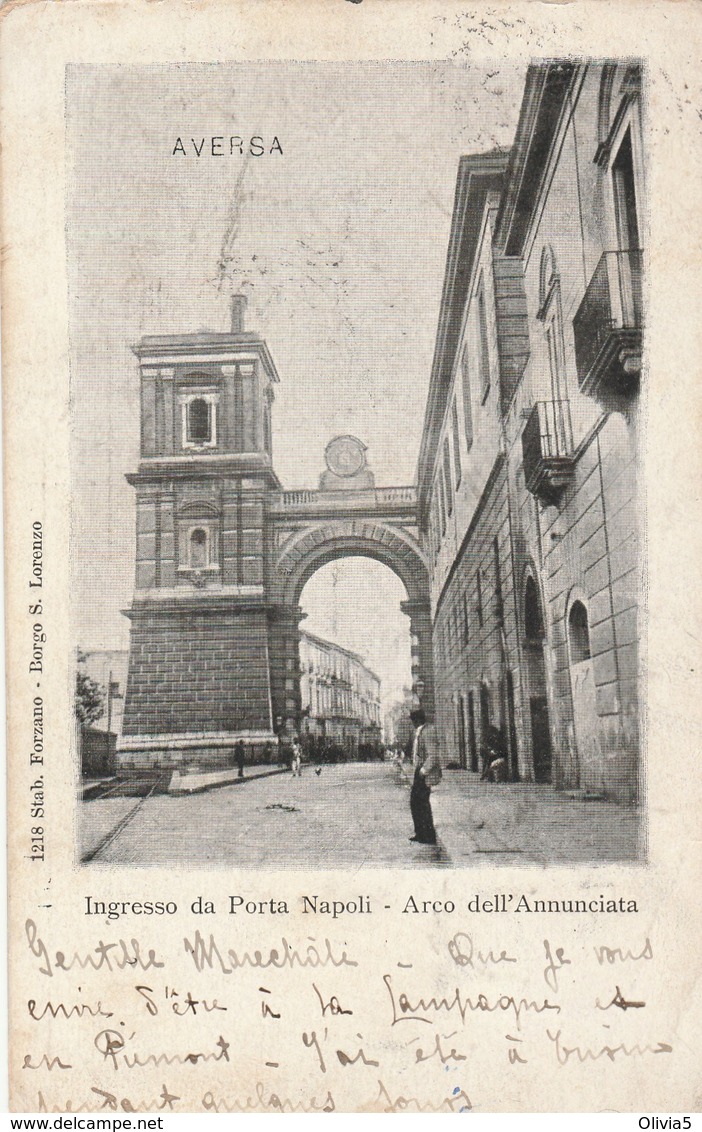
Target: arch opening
x,y
410,571
382,546
357,660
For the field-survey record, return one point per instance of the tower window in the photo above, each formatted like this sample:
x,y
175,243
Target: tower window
x,y
198,549
199,421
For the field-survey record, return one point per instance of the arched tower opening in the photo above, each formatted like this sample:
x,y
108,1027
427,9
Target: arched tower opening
x,y
305,553
356,675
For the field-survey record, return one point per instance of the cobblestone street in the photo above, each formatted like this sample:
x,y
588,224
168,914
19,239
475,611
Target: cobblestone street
x,y
357,816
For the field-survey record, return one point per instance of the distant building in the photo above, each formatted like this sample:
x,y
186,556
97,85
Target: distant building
x,y
108,668
340,699
527,471
398,729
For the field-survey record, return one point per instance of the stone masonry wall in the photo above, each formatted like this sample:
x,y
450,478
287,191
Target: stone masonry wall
x,y
197,673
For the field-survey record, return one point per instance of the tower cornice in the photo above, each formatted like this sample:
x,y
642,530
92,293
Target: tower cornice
x,y
206,347
216,466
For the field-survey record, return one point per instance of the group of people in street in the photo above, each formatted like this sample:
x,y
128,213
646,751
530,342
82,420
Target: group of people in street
x,y
297,749
427,769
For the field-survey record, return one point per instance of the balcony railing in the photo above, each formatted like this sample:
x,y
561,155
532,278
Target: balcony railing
x,y
547,447
374,496
607,326
295,498
395,495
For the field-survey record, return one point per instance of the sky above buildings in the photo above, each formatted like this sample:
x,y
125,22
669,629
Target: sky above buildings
x,y
339,244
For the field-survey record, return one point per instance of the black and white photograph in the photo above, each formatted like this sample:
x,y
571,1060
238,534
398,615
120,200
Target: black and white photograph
x,y
351,416
357,515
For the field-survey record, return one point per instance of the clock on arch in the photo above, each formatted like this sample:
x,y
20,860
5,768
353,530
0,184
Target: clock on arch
x,y
345,457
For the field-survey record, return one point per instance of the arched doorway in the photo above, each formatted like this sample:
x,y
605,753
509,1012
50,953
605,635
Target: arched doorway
x,y
300,556
355,661
533,648
582,686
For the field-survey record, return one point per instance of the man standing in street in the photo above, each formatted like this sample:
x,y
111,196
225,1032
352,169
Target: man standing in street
x,y
240,758
427,773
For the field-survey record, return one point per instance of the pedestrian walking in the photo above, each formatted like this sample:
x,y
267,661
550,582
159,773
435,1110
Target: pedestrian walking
x,y
427,773
240,757
296,758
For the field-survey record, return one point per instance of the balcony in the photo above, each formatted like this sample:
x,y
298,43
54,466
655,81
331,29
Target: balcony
x,y
400,498
547,446
607,327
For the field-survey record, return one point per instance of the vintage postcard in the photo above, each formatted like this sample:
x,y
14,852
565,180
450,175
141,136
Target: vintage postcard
x,y
352,411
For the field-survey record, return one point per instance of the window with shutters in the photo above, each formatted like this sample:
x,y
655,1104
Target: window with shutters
x,y
467,406
448,478
483,341
457,470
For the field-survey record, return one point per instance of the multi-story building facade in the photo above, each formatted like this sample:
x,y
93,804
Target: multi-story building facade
x,y
527,471
398,731
340,698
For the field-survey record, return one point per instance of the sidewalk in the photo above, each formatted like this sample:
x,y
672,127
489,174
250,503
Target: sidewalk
x,y
522,823
195,781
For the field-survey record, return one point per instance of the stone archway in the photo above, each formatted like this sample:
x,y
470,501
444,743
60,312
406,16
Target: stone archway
x,y
301,552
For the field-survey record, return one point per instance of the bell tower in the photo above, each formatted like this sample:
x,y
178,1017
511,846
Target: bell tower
x,y
199,676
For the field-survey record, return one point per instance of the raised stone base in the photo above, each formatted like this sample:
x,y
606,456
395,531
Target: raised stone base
x,y
198,684
214,752
192,781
